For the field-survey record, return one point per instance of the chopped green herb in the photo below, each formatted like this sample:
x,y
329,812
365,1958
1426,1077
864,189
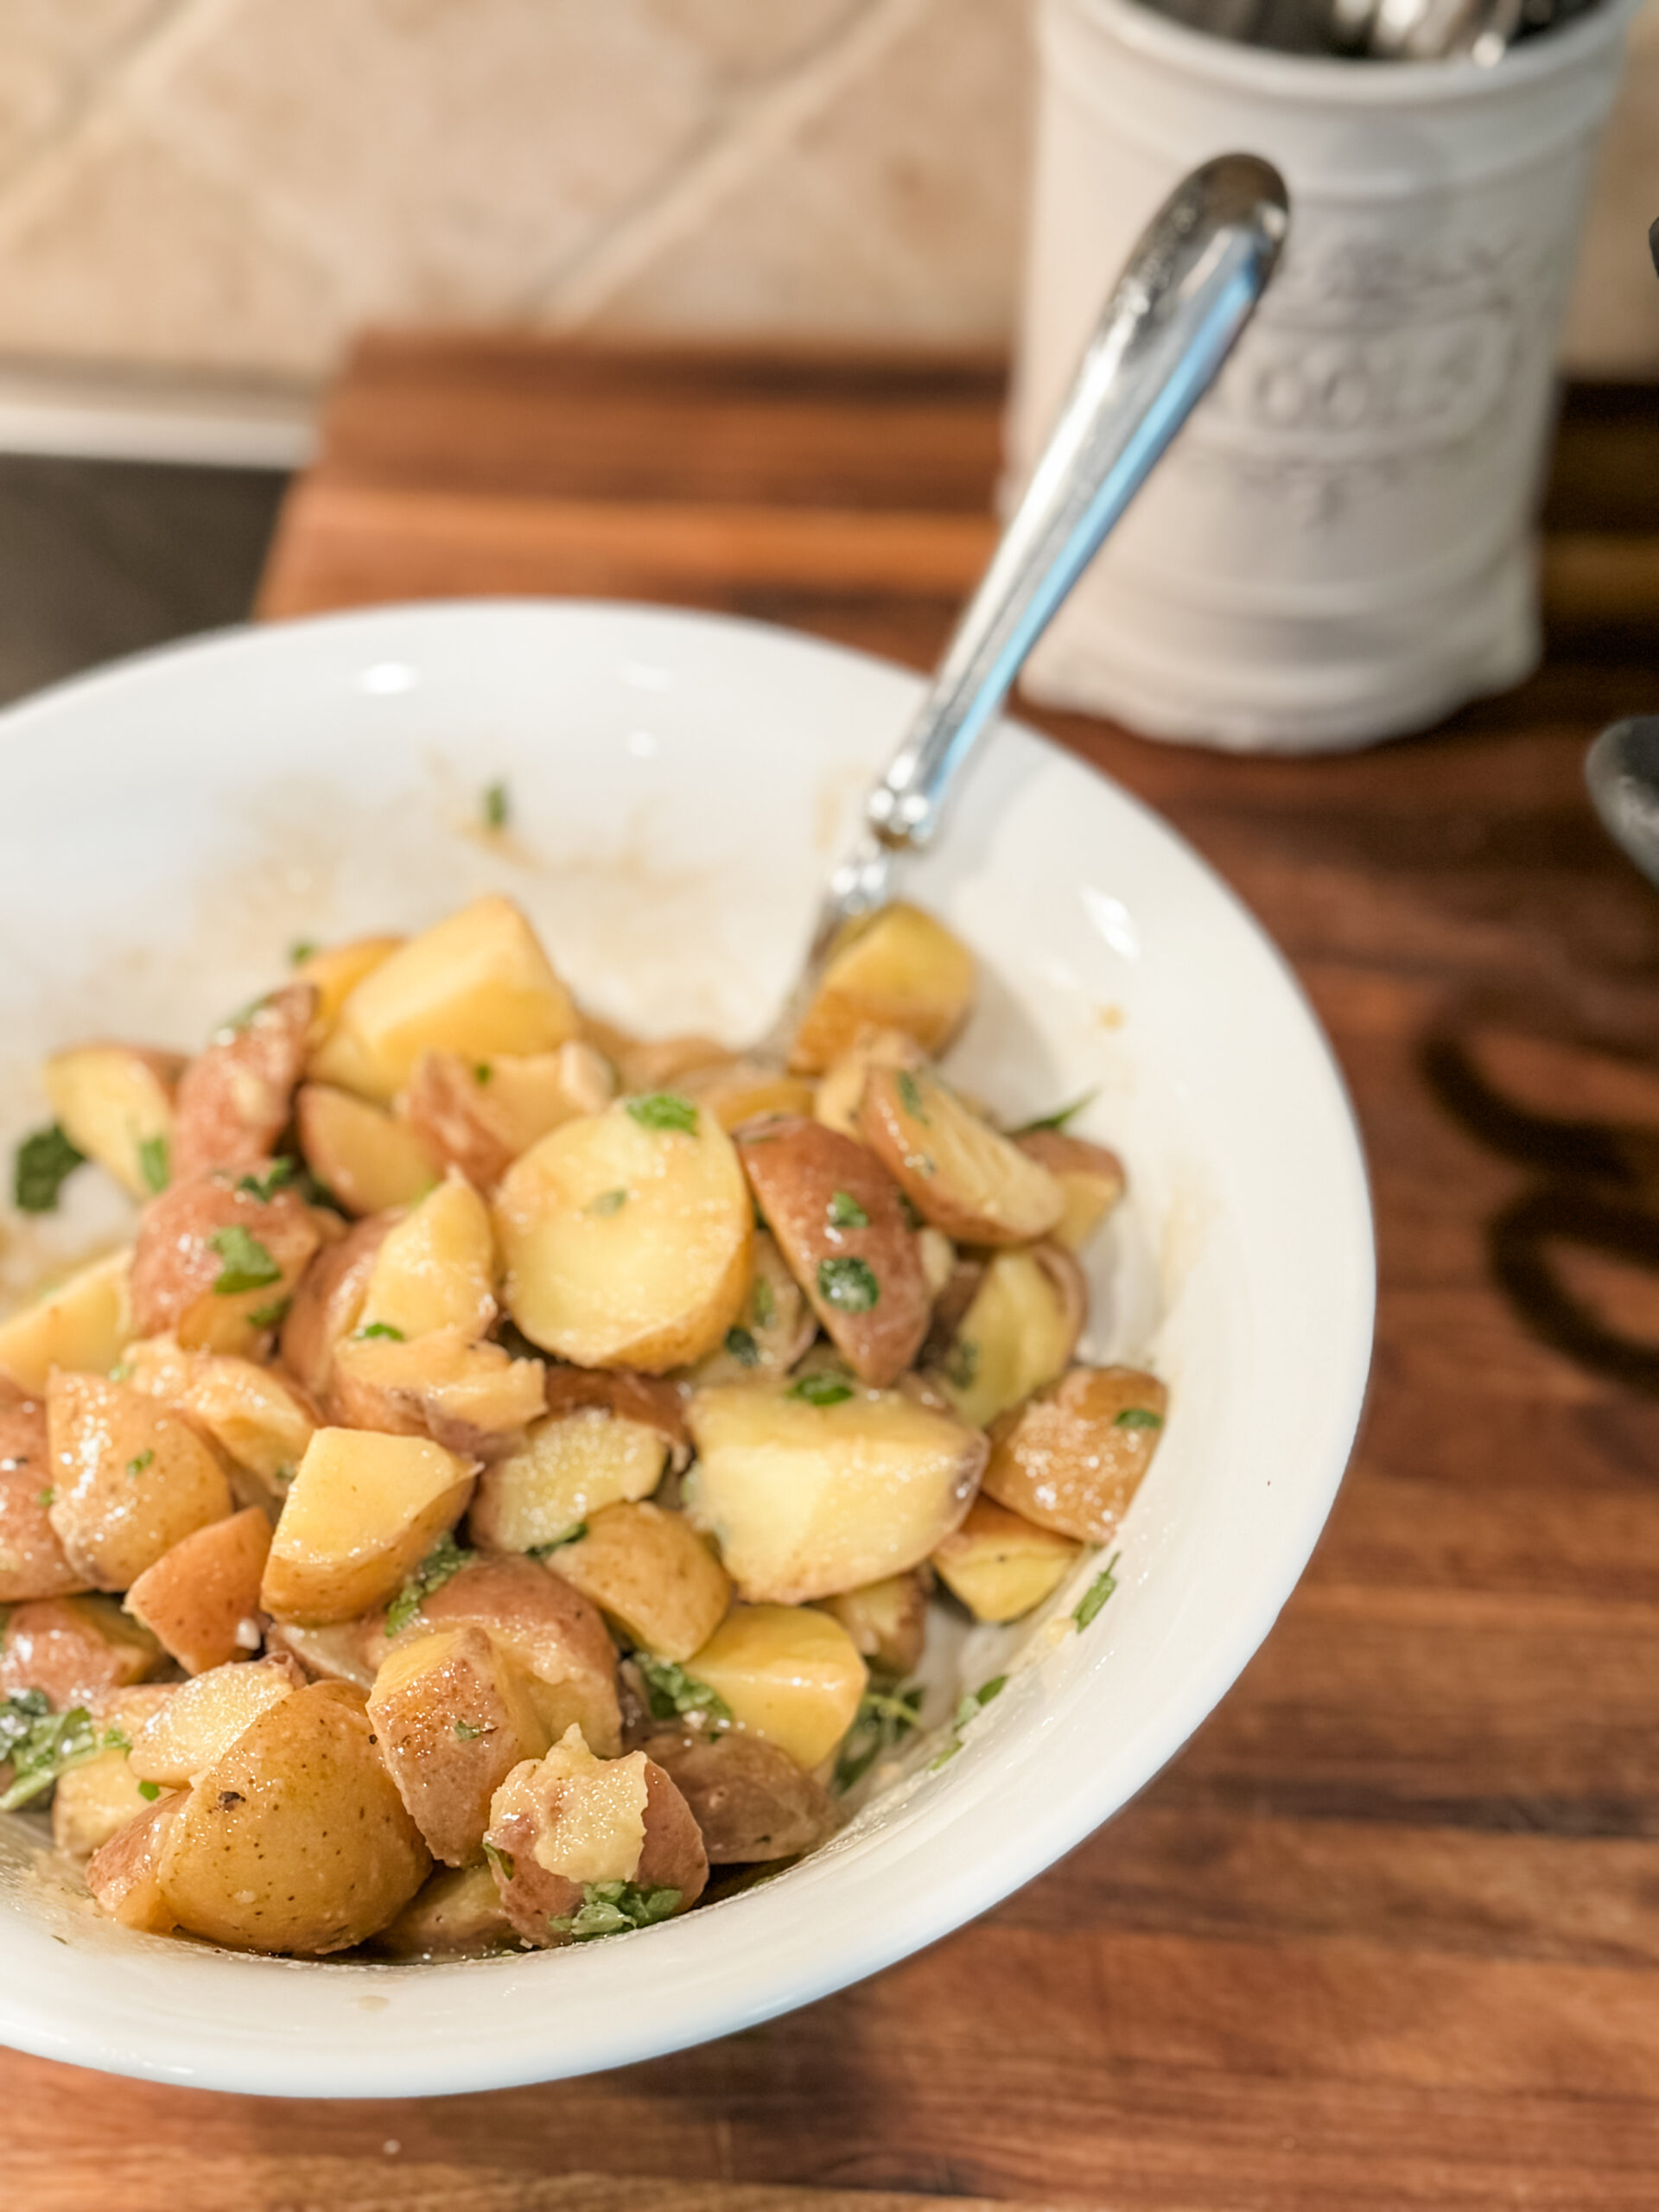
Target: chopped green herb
x,y
224,1030
384,1329
845,1212
611,1908
910,1210
466,1732
972,1705
122,1371
445,1559
848,1284
1138,1417
482,1072
910,1096
607,1202
116,1739
139,1464
43,1163
763,1306
271,1316
283,1476
884,1718
664,1110
247,1266
496,807
149,1791
152,1162
40,1745
301,949
1097,1592
674,1694
820,1389
741,1345
503,1861
283,1170
573,1534
962,1364
45,1499
1058,1119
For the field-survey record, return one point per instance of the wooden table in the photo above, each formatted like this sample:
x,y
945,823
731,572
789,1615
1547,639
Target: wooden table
x,y
1387,1933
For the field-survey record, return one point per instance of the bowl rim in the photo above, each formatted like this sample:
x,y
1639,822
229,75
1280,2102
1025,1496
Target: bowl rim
x,y
223,2057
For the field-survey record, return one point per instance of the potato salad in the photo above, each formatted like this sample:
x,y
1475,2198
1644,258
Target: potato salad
x,y
514,1467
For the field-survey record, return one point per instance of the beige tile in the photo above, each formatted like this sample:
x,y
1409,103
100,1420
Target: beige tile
x,y
894,212
126,255
1614,327
442,154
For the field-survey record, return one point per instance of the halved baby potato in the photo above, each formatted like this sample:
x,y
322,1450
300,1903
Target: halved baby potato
x,y
1000,1566
476,984
895,969
789,1673
328,1304
650,1574
741,1090
123,1874
1091,1176
839,1223
115,1104
962,1174
472,1398
75,1651
572,1463
258,1419
453,1715
130,1477
886,1620
84,1324
1019,1332
436,1267
479,1115
361,1154
194,1727
751,1801
234,1099
362,1512
1072,1457
824,1486
199,1598
217,1261
456,1914
626,1236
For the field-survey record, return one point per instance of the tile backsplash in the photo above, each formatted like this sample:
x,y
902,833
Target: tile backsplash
x,y
230,187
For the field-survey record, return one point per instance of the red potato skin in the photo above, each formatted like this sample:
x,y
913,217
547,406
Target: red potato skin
x,y
448,1111
51,1646
750,1800
32,1562
327,1302
234,1099
121,1874
672,1857
796,1169
196,1597
174,1265
648,1399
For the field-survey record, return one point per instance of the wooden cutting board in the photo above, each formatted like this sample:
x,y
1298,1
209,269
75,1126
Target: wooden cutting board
x,y
1387,1934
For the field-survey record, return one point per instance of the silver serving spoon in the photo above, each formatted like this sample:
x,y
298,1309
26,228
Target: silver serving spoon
x,y
1622,769
1190,287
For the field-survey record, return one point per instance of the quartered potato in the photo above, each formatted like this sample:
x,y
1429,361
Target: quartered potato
x,y
115,1104
218,1261
234,1099
456,1914
1072,1457
84,1324
32,1562
477,983
473,1398
789,1673
193,1727
1000,1566
453,1715
571,1835
129,1477
610,1443
626,1236
841,1087
886,1620
751,1801
327,1305
76,1650
436,1267
809,1495
334,971
199,1598
260,1420
1090,1177
837,1218
478,1115
774,1325
962,1175
362,1512
649,1573
361,1154
896,969
1019,1331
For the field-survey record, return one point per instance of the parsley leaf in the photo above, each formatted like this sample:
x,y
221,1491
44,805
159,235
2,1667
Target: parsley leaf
x,y
496,806
383,1329
301,949
445,1559
845,1212
848,1284
611,1908
44,1161
1061,1115
1138,1417
607,1202
152,1162
883,1719
139,1464
467,1731
741,1345
1097,1592
483,1072
971,1706
247,1266
911,1097
820,1389
763,1306
674,1694
962,1364
281,1171
664,1110
41,1744
573,1534
149,1791
503,1861
271,1316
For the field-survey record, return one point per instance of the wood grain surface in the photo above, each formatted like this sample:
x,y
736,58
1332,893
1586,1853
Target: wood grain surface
x,y
1387,1933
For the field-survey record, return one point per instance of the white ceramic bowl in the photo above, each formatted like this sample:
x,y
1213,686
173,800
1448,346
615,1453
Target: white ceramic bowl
x,y
678,785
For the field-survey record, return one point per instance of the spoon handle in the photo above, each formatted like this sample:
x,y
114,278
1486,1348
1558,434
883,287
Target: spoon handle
x,y
1190,287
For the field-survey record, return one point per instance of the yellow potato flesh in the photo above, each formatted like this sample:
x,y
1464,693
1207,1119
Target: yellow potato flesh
x,y
132,1478
83,1324
532,1093
571,1466
806,1500
627,1245
899,969
1000,1566
364,1156
335,970
651,1574
1018,1333
362,1511
91,1802
199,1598
453,1716
841,1087
436,1269
964,1176
741,1091
789,1673
886,1620
205,1716
250,1413
115,1104
477,983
